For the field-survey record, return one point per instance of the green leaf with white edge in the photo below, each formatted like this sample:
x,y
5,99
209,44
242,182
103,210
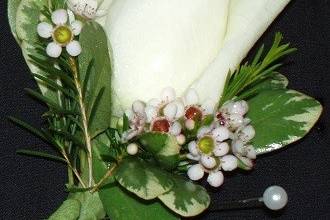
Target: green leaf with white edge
x,y
143,179
186,198
12,9
285,115
94,45
113,196
91,206
69,210
163,146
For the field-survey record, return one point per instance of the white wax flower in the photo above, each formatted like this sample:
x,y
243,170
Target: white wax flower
x,y
181,44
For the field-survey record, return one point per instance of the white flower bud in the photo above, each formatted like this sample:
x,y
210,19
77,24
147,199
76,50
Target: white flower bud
x,y
247,133
170,111
215,179
190,124
168,94
180,109
181,139
154,102
132,149
251,152
191,97
236,121
195,172
208,107
193,157
221,149
239,107
208,161
192,147
221,133
238,147
229,163
138,107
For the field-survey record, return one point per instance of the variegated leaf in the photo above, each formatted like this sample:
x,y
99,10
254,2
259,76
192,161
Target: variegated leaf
x,y
281,117
186,198
164,147
143,179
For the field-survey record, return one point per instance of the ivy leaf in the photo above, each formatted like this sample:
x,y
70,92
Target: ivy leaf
x,y
143,179
69,210
118,202
12,9
164,147
186,198
286,115
95,67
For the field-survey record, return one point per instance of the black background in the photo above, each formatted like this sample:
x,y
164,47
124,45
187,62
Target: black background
x,y
32,188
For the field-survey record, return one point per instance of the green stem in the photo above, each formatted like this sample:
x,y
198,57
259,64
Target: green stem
x,y
83,111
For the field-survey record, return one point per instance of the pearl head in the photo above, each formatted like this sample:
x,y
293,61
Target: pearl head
x,y
275,197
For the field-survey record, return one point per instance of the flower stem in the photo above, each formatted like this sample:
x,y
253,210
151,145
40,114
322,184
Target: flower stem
x,y
83,111
73,169
104,178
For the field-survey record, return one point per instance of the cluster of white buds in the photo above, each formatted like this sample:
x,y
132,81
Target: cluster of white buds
x,y
167,114
85,8
223,145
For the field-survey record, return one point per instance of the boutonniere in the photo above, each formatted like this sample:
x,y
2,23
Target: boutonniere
x,y
146,99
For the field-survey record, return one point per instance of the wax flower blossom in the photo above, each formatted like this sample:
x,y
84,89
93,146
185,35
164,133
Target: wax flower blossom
x,y
62,34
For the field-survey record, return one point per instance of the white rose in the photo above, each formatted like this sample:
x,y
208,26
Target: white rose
x,y
180,43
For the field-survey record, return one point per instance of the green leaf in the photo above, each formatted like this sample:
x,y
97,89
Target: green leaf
x,y
95,52
142,179
12,9
28,127
118,202
186,198
286,115
41,154
91,206
164,147
69,210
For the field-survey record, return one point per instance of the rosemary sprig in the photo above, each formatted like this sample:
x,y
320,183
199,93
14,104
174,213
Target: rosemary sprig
x,y
249,75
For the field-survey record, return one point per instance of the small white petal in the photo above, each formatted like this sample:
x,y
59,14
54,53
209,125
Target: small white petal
x,y
132,149
90,9
236,121
238,147
73,48
240,107
192,157
138,107
154,102
192,147
76,27
221,149
59,17
190,124
168,94
54,50
181,139
180,109
215,179
44,30
203,131
170,111
229,163
251,152
221,133
175,128
195,172
191,97
208,161
151,113
247,133
208,107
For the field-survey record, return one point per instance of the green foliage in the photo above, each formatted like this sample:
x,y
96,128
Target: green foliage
x,y
69,210
163,147
40,154
186,198
12,9
281,117
249,75
143,179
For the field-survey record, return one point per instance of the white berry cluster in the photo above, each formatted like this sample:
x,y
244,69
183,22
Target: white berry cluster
x,y
167,114
223,145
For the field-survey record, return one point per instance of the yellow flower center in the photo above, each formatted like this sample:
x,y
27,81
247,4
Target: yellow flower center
x,y
62,35
206,144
